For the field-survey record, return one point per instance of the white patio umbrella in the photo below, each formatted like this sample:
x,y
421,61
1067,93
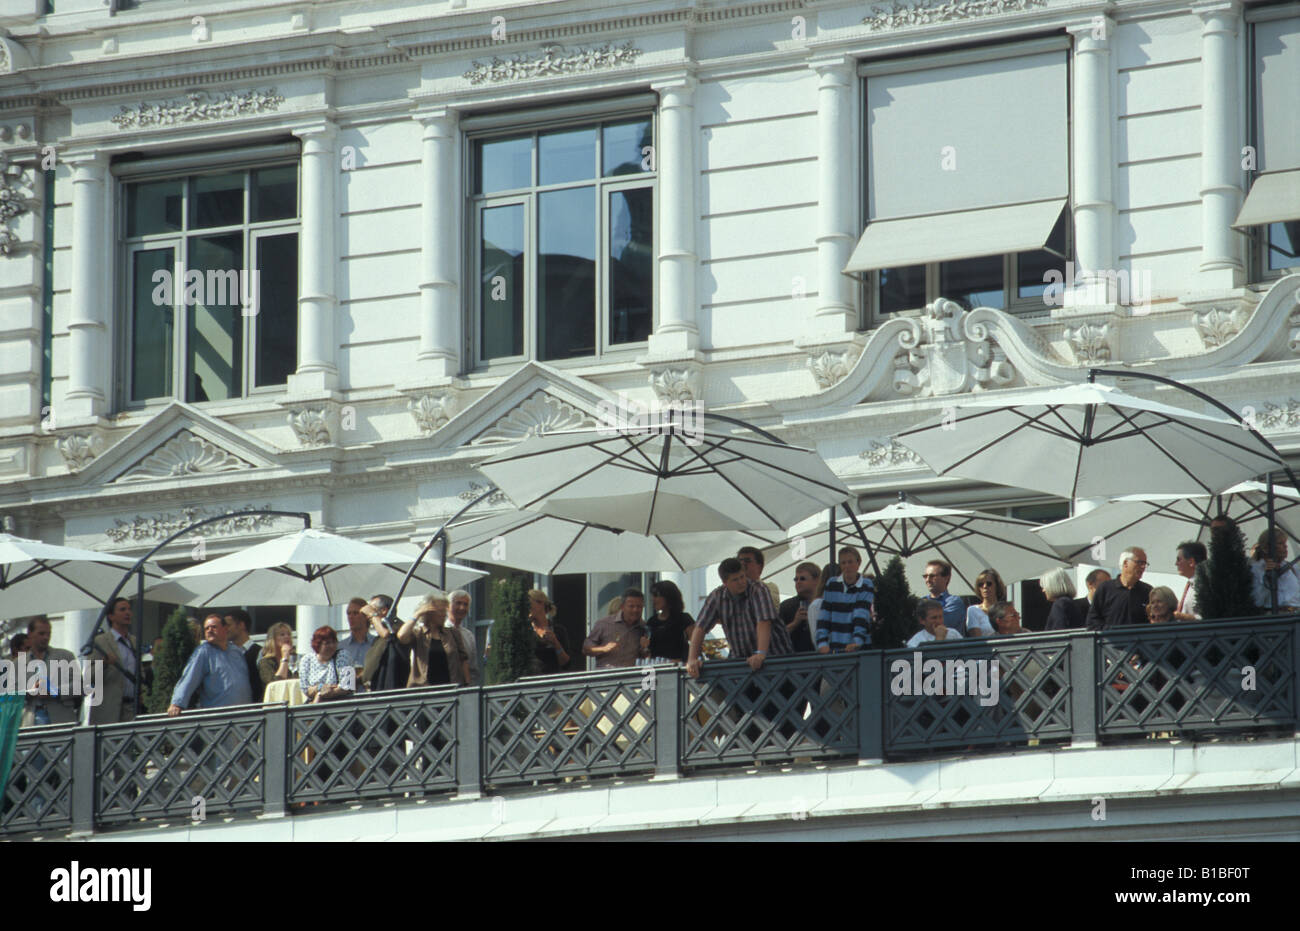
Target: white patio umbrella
x,y
1090,441
970,541
309,567
547,544
657,483
40,578
1159,523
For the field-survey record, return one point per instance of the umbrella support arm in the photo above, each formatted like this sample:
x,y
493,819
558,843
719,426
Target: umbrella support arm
x,y
440,534
748,426
139,567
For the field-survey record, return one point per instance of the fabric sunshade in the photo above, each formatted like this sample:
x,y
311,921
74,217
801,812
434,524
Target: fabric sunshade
x,y
1273,198
946,237
1277,78
946,144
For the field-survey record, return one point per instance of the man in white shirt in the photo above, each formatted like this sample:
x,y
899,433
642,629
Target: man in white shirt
x,y
1188,556
929,613
456,617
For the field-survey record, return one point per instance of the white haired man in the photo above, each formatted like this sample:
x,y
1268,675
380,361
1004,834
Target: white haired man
x,y
1122,601
456,618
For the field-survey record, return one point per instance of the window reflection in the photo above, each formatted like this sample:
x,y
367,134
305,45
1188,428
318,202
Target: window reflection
x,y
566,273
631,265
972,282
501,278
902,288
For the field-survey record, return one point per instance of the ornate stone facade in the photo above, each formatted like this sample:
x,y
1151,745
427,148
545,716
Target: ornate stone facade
x,y
676,385
79,449
539,414
311,426
431,411
943,357
552,60
198,107
183,454
1090,343
146,527
898,15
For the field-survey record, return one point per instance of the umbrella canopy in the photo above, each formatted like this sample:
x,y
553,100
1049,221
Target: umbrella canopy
x,y
1090,441
39,578
309,567
547,544
656,483
969,541
1158,523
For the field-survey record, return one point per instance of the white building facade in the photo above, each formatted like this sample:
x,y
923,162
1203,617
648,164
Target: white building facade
x,y
468,222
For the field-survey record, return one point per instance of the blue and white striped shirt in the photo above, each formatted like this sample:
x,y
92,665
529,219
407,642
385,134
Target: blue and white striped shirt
x,y
845,615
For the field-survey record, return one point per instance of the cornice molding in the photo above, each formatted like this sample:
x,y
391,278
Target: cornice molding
x,y
552,61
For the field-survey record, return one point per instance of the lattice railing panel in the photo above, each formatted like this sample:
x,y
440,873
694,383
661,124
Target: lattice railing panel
x,y
567,728
372,749
1240,675
1030,699
153,769
786,711
39,793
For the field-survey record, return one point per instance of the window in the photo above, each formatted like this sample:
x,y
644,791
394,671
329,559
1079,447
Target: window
x,y
1271,212
563,220
211,282
967,178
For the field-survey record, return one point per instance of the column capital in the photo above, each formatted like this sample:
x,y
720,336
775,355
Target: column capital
x,y
1093,35
838,68
1218,15
436,113
317,133
84,162
676,91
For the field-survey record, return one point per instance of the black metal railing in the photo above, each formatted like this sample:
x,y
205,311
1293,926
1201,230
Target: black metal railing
x,y
1219,678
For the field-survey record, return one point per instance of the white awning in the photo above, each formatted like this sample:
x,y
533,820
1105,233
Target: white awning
x,y
1274,197
963,234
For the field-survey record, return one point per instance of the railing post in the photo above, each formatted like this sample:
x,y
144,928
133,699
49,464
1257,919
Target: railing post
x,y
1295,668
276,761
469,741
1084,709
869,669
84,783
668,687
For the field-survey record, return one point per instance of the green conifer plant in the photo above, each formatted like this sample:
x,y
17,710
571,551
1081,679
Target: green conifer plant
x,y
513,641
168,665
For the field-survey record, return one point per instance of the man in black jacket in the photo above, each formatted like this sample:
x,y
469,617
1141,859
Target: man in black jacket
x,y
239,622
1122,601
1092,580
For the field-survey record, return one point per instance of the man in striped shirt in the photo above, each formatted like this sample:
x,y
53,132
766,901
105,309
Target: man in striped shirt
x,y
844,624
748,619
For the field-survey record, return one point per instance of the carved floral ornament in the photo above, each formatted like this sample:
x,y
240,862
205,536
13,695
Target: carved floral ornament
x,y
12,202
942,355
924,12
79,449
198,107
311,426
1090,343
678,385
539,414
891,453
431,411
183,454
829,368
160,526
1219,324
552,60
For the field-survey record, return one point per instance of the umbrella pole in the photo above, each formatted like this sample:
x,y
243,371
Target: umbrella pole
x,y
830,542
1272,576
439,534
862,535
442,570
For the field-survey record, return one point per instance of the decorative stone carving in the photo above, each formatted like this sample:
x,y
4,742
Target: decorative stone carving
x,y
897,15
431,411
893,453
198,107
12,202
676,385
1090,343
79,449
829,368
183,454
161,526
1219,324
1276,417
539,414
475,489
311,426
552,60
943,356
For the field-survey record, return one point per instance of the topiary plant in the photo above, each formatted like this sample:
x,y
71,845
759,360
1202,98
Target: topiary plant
x,y
1225,584
513,641
895,606
177,646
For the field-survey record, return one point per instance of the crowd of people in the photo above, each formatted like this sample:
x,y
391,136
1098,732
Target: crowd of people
x,y
832,610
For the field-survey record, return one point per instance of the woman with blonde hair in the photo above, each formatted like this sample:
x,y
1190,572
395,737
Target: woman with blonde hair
x,y
278,659
552,649
437,657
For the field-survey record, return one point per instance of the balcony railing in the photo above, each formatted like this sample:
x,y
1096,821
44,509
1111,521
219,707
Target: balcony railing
x,y
1220,678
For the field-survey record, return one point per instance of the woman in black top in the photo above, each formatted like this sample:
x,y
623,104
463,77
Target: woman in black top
x,y
671,626
1058,588
552,648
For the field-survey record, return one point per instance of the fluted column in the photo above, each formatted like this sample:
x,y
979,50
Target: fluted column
x,y
89,346
438,356
317,302
676,332
835,315
1094,197
1221,139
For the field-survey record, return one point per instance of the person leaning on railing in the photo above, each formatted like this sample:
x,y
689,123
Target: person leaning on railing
x,y
322,676
276,661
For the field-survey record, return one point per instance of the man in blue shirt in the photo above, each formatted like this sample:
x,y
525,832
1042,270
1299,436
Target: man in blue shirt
x,y
216,669
937,576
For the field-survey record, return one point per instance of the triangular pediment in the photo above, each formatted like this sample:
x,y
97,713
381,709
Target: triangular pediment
x,y
180,441
536,399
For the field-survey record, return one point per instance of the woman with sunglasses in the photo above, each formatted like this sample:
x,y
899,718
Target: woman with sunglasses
x,y
991,589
